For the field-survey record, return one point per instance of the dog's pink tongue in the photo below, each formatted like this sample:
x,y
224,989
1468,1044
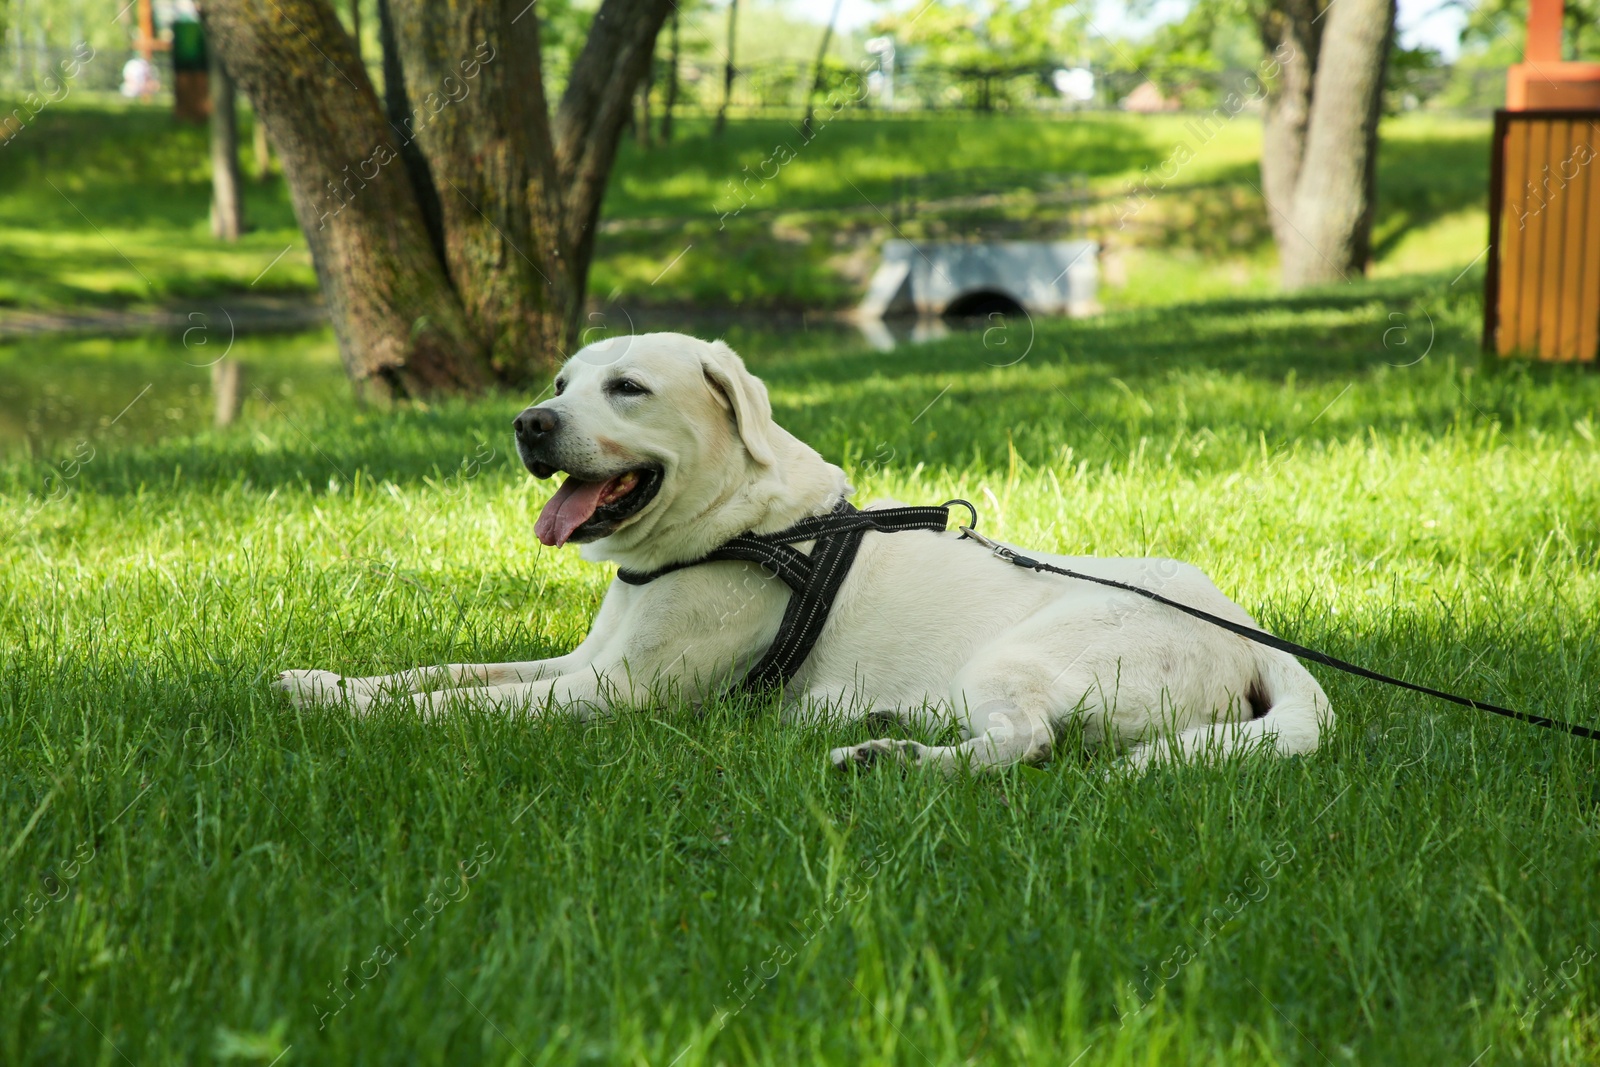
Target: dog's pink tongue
x,y
569,509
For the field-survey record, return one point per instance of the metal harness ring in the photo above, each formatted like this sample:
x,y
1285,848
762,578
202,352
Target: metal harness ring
x,y
969,507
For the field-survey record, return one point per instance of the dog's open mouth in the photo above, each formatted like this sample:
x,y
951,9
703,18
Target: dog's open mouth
x,y
588,510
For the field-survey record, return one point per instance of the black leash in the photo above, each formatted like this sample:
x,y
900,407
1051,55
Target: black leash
x,y
1261,637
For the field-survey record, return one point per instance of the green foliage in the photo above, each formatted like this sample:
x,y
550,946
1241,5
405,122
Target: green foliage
x,y
959,44
1497,30
1211,35
60,24
988,33
1414,76
563,27
205,875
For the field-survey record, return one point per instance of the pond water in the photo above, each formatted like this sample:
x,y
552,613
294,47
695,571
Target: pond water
x,y
62,394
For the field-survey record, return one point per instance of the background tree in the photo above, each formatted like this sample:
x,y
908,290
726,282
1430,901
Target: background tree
x,y
1500,27
674,58
978,42
973,33
817,72
355,25
1335,186
1319,141
728,68
227,188
452,223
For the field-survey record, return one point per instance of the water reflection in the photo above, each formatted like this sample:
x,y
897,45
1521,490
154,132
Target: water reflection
x,y
885,335
57,392
778,332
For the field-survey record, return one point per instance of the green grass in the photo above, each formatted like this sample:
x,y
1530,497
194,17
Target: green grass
x,y
106,204
1412,893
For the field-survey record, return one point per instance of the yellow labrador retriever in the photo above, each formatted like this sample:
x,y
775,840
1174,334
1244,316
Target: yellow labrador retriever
x,y
670,450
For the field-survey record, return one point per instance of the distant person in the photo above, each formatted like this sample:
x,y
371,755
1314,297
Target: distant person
x,y
139,78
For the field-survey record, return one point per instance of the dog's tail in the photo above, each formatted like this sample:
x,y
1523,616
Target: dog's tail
x,y
1288,711
1290,706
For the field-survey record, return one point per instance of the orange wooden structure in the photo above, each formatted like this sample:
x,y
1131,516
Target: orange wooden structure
x,y
1542,292
147,43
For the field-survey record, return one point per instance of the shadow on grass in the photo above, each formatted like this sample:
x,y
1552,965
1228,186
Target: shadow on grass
x,y
123,166
857,160
1421,182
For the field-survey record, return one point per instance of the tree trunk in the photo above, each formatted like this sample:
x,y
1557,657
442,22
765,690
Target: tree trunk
x,y
262,150
817,72
451,226
227,390
728,69
227,191
1291,32
588,125
397,112
485,140
672,83
1334,191
641,126
397,318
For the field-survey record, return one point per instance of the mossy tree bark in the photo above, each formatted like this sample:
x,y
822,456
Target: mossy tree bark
x,y
452,224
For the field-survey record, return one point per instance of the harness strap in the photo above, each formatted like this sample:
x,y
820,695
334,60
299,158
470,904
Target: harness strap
x,y
807,611
814,579
845,518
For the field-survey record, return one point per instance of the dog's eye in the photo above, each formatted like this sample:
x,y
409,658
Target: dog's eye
x,y
560,386
627,387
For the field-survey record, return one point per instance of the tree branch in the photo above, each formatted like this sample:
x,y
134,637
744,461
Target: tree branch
x,y
614,59
396,109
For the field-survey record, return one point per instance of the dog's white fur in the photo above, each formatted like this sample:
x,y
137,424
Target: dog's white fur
x,y
927,628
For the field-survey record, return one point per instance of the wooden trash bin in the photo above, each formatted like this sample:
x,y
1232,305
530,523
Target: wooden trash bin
x,y
1542,291
1542,295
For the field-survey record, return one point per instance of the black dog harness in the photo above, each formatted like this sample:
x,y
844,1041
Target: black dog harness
x,y
816,579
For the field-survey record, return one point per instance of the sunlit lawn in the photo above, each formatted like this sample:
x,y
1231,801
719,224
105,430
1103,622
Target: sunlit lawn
x,y
194,873
105,203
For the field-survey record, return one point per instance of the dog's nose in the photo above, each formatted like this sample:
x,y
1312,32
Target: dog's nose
x,y
535,423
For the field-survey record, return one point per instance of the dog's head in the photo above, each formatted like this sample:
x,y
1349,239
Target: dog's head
x,y
661,435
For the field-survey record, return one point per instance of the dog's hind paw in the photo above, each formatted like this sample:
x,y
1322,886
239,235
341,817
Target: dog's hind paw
x,y
311,687
884,748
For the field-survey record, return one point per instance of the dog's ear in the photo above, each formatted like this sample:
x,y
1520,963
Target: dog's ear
x,y
746,396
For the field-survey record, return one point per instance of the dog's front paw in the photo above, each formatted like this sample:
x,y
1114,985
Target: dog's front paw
x,y
312,687
884,748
